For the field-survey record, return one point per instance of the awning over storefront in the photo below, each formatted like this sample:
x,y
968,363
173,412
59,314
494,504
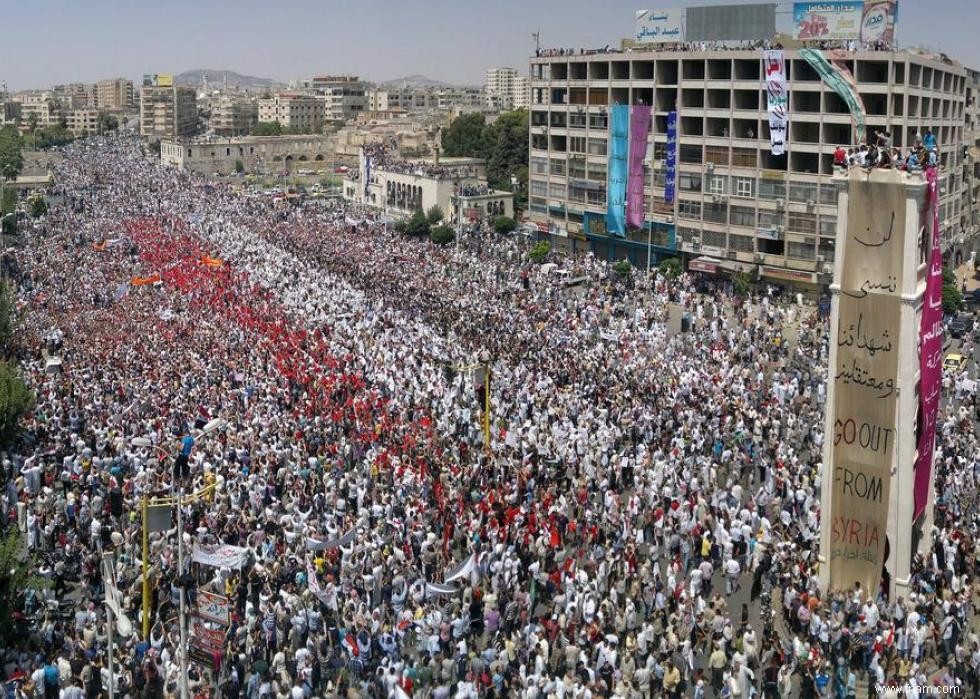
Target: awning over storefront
x,y
706,265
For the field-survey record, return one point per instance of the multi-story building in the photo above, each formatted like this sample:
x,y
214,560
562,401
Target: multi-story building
x,y
114,95
499,88
233,115
408,99
259,154
521,92
736,205
291,109
970,215
167,111
10,112
40,106
343,96
82,122
74,95
460,97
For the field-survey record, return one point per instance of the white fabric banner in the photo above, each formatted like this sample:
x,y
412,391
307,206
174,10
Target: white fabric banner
x,y
221,556
435,589
778,94
462,570
315,545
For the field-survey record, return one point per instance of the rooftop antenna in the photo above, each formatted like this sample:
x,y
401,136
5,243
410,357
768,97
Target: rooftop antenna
x,y
537,41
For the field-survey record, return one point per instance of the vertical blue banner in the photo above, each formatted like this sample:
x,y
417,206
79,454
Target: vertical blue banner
x,y
618,154
670,171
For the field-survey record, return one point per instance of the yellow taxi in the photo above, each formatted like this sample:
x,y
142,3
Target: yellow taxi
x,y
954,362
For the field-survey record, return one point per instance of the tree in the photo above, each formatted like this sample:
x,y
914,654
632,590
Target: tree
x,y
6,318
16,566
623,268
107,122
39,206
32,127
435,214
239,166
539,253
8,205
418,225
442,235
267,128
952,299
670,268
740,284
15,401
505,148
504,224
11,153
464,137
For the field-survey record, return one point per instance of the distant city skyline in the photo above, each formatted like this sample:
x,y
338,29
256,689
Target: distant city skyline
x,y
446,41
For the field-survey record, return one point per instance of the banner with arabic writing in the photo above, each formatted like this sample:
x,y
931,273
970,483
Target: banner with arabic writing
x,y
864,372
778,99
930,352
670,161
639,132
660,26
619,124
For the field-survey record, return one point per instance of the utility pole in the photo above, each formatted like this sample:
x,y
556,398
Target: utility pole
x,y
183,593
109,584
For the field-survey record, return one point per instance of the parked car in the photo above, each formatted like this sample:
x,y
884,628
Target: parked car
x,y
961,326
954,362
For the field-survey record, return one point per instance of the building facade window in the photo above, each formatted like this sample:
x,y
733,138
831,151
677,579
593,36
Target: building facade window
x,y
743,216
539,188
801,250
743,187
770,190
802,191
741,243
689,209
716,213
689,182
716,239
803,223
597,146
771,219
717,184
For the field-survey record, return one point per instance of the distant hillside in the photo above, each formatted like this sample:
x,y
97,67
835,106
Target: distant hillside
x,y
217,77
414,81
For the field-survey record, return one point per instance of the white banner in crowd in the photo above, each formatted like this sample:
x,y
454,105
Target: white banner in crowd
x,y
462,570
316,545
221,556
435,589
775,68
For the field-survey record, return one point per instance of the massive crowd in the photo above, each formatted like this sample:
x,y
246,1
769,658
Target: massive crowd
x,y
383,155
638,483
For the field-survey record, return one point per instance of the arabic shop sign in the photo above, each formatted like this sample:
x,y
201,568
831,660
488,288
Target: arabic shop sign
x,y
660,26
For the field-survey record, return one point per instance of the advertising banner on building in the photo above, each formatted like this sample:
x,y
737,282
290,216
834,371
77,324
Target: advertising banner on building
x,y
878,21
670,161
827,20
778,96
930,352
865,378
639,132
754,22
660,26
616,192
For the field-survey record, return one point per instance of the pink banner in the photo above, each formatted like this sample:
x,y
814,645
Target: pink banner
x,y
639,128
930,353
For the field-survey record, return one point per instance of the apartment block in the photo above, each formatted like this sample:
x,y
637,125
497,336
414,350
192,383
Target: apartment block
x,y
736,205
506,89
114,95
82,122
167,111
292,109
233,115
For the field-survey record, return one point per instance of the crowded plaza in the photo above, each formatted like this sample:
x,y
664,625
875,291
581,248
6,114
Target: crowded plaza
x,y
397,469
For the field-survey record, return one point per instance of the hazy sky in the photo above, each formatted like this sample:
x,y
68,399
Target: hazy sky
x,y
43,42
